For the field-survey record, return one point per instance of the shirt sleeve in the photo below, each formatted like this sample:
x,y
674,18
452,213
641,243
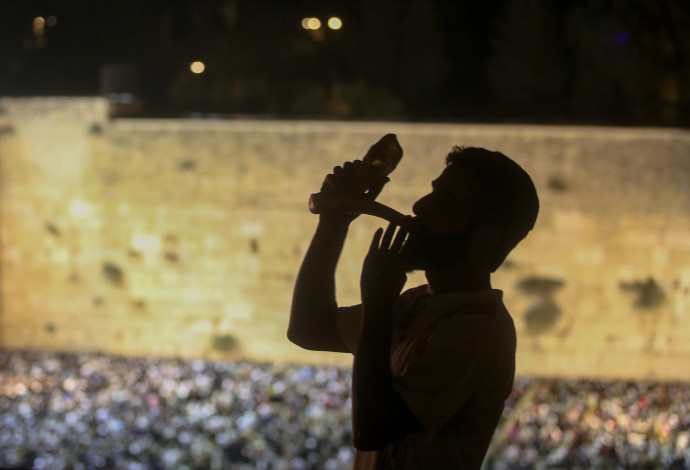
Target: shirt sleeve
x,y
349,320
445,369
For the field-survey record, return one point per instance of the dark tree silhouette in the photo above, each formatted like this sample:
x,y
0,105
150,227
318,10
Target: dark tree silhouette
x,y
528,68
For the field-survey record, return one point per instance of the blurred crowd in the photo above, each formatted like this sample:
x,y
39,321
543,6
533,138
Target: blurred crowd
x,y
94,411
90,411
582,424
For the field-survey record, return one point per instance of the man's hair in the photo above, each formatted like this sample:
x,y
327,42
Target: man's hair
x,y
508,199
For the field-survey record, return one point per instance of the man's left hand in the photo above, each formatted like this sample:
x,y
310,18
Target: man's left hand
x,y
383,274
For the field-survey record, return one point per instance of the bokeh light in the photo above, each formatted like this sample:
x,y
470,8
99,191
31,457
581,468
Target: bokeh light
x,y
335,23
39,22
197,67
311,23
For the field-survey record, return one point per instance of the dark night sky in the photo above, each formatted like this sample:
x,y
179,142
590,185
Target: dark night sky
x,y
574,61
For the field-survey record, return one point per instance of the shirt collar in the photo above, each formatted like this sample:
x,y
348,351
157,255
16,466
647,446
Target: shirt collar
x,y
477,301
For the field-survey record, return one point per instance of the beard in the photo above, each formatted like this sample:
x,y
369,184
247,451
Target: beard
x,y
429,251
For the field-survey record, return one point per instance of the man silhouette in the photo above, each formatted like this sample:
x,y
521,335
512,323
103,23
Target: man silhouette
x,y
434,365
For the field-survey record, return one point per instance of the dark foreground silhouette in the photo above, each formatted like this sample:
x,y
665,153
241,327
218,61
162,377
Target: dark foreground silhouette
x,y
434,365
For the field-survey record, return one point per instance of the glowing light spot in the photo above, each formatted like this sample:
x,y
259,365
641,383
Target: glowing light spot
x,y
39,22
305,23
314,23
335,23
197,67
51,21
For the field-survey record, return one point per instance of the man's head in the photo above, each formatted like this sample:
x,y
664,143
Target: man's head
x,y
480,194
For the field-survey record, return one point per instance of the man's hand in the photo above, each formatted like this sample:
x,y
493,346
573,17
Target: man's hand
x,y
383,274
379,414
352,179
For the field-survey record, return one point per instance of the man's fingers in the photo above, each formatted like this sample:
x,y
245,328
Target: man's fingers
x,y
399,240
343,176
377,187
328,183
408,245
376,240
388,236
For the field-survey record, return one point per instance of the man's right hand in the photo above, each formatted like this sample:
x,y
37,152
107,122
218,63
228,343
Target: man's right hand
x,y
352,179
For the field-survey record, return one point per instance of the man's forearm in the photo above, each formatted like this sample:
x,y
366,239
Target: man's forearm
x,y
312,317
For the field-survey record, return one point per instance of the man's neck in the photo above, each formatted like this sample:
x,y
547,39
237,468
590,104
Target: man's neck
x,y
446,281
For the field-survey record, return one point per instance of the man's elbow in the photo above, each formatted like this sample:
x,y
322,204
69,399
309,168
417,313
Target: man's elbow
x,y
299,338
314,330
296,338
321,341
297,331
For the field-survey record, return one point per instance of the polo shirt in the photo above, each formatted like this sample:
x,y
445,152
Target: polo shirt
x,y
453,363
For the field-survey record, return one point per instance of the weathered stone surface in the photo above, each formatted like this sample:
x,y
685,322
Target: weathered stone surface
x,y
182,237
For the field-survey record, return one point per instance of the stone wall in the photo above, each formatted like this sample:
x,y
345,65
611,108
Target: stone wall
x,y
183,237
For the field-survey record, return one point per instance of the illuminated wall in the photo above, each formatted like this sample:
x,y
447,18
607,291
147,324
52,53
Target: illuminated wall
x,y
183,237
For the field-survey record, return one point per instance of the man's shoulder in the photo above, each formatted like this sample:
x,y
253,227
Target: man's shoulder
x,y
480,320
412,298
418,291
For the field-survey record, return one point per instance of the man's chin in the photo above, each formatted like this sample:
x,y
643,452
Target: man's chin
x,y
434,252
429,261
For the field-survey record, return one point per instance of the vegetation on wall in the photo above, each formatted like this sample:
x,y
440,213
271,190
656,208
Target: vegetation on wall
x,y
648,294
545,312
